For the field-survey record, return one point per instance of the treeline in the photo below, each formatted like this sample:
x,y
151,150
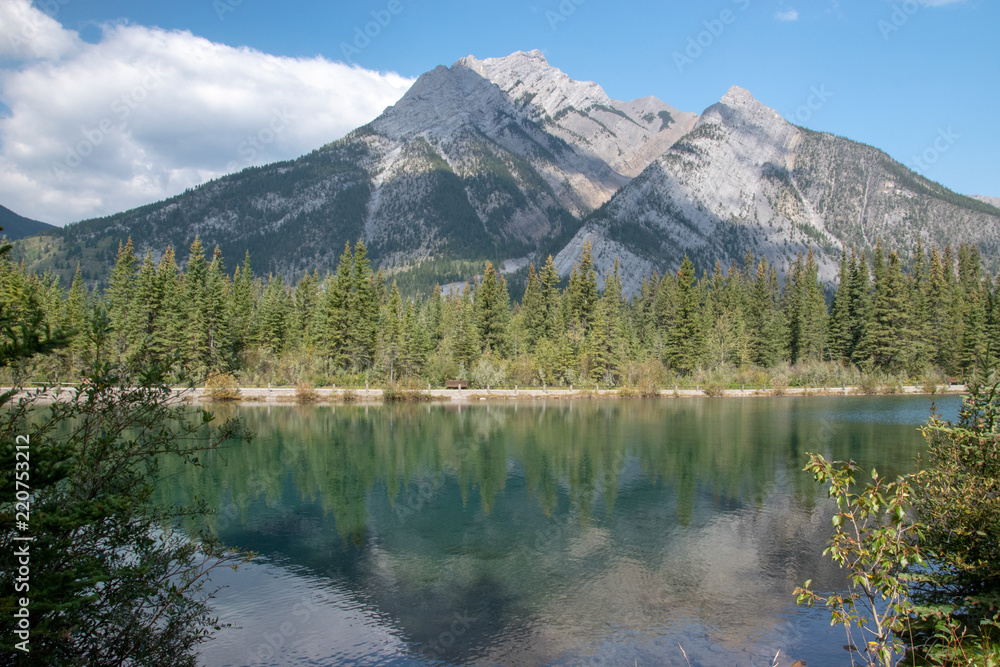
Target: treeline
x,y
937,316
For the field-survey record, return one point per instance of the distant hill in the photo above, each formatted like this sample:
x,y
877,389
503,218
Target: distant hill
x,y
17,226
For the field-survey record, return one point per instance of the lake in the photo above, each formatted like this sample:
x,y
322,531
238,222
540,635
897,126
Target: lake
x,y
610,532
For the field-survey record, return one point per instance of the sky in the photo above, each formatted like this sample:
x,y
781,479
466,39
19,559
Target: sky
x,y
110,104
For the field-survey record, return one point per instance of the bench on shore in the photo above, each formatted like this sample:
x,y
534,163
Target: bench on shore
x,y
456,384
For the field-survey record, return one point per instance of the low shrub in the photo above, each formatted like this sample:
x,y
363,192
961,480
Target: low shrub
x,y
222,387
305,393
395,392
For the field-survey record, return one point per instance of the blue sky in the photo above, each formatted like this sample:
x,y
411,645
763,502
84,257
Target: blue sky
x,y
162,96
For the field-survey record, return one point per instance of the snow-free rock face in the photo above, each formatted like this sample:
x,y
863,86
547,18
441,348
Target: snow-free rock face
x,y
746,179
484,158
627,136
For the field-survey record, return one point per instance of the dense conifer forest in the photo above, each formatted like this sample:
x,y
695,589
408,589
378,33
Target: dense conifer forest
x,y
890,320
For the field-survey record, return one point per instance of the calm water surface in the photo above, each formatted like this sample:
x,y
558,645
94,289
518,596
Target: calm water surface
x,y
655,532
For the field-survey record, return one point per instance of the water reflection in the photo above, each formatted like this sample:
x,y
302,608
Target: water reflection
x,y
563,533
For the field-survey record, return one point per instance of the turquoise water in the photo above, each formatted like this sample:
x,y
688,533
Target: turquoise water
x,y
649,532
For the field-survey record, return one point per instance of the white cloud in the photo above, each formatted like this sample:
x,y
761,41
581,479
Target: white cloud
x,y
28,33
145,113
790,15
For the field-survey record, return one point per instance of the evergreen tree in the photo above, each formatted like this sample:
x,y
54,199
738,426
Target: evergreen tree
x,y
414,342
492,308
390,332
533,310
76,323
241,316
917,334
685,340
465,332
306,311
171,322
146,315
763,321
362,310
606,340
334,337
884,346
121,299
196,348
218,325
548,281
938,313
582,290
839,324
275,314
805,311
859,303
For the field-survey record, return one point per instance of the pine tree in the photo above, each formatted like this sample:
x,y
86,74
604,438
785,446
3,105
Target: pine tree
x,y
839,324
883,346
241,315
582,290
917,335
171,322
492,308
306,311
970,287
763,322
414,342
685,339
76,323
195,350
533,310
362,311
859,303
146,313
334,337
218,324
390,333
465,332
606,340
548,280
275,314
121,299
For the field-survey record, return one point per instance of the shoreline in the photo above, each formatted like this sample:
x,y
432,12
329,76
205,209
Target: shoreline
x,y
328,395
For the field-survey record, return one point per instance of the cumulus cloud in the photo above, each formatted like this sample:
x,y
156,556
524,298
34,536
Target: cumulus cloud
x,y
789,15
145,113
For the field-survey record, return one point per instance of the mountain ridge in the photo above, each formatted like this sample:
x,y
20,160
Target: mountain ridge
x,y
510,159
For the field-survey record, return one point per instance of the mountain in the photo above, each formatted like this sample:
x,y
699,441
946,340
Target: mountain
x,y
17,226
746,179
509,159
499,159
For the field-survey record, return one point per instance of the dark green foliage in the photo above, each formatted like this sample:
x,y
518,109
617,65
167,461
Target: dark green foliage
x,y
685,337
959,500
112,581
349,328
